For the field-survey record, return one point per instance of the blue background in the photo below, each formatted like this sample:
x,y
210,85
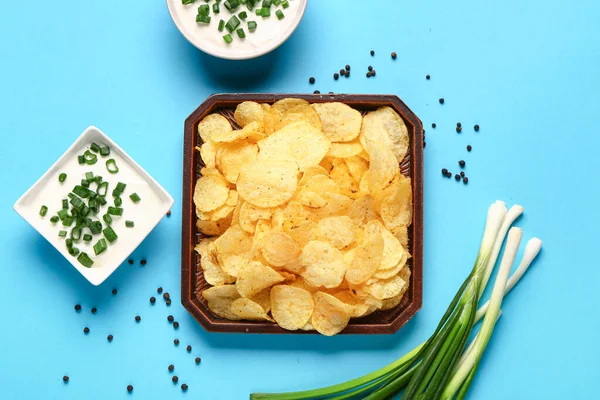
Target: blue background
x,y
527,72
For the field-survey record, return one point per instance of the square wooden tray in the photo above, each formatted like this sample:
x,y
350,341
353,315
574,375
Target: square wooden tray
x,y
192,280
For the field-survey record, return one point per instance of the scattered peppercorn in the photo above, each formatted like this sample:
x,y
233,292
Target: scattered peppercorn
x,y
138,318
130,261
316,92
462,173
65,378
441,100
427,77
458,129
465,180
469,148
342,72
143,262
373,73
77,307
176,342
94,310
444,171
368,74
449,174
347,74
336,76
461,163
372,52
86,330
197,360
370,68
166,295
168,302
109,338
394,55
176,325
311,80
114,291
459,124
171,367
129,388
189,349
457,177
159,290
170,318
433,125
169,213
184,387
476,127
347,67
175,379
152,300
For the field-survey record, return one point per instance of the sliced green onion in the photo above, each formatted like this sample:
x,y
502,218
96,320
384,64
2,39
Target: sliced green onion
x,y
68,221
100,246
69,243
83,258
94,205
251,26
265,12
62,177
227,38
62,233
102,189
285,4
54,219
82,192
258,11
232,24
104,151
43,211
279,14
276,2
204,9
221,25
75,233
110,234
204,19
96,227
231,5
89,176
95,148
118,201
81,160
73,251
111,166
115,211
250,5
129,224
65,204
62,214
77,202
75,211
216,8
85,210
101,200
241,34
188,2
107,219
119,189
266,3
90,158
85,183
135,197
87,237
243,15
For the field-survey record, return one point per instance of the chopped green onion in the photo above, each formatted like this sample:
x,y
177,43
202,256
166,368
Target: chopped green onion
x,y
100,246
82,192
85,210
134,197
80,160
227,38
279,14
115,211
216,8
62,177
75,233
231,5
96,227
251,26
54,219
62,214
232,24
110,234
107,219
221,25
43,211
98,179
95,148
119,189
204,9
73,251
62,233
265,12
266,3
111,166
69,243
90,158
258,11
68,221
89,176
94,205
77,202
101,200
65,204
243,15
276,2
250,5
188,1
75,211
205,19
102,189
241,34
85,183
118,201
83,258
104,151
87,237
285,4
129,224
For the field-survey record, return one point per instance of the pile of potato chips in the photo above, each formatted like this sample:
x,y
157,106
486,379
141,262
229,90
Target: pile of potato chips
x,y
307,211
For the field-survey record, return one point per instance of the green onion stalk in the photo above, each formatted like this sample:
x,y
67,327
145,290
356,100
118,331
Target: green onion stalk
x,y
426,370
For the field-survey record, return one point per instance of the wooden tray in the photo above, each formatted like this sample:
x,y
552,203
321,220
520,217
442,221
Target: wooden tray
x,y
192,280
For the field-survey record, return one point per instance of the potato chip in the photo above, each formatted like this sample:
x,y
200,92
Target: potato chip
x,y
382,169
401,233
311,171
263,298
330,315
213,124
312,199
341,175
366,259
232,264
358,307
213,228
322,184
219,299
291,307
268,120
249,310
345,149
338,231
268,183
254,277
385,288
232,157
337,204
279,248
210,193
390,272
357,167
235,216
234,242
340,122
395,204
250,132
385,127
301,283
248,112
208,152
301,230
365,182
250,215
308,327
324,264
327,163
393,251
361,210
287,111
297,141
211,264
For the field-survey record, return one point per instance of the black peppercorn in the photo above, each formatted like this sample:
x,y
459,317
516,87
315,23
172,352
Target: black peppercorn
x,y
170,318
77,307
370,68
476,127
184,387
442,100
175,379
143,262
469,148
159,290
444,171
372,52
336,76
427,77
86,330
169,213
109,338
457,177
197,360
311,80
65,379
189,349
129,388
171,367
130,261
176,325
458,129
316,92
152,300
114,291
433,125
394,55
461,163
138,318
465,180
176,342
347,67
462,173
94,310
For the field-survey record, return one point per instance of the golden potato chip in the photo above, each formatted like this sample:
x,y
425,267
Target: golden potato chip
x,y
382,169
219,213
357,167
287,111
248,112
385,127
365,182
279,248
249,310
232,264
405,275
327,163
291,307
338,231
322,184
232,157
268,183
330,315
312,199
219,299
340,122
395,204
208,152
324,264
234,242
337,204
210,193
385,288
298,141
250,132
211,264
263,298
393,302
213,124
254,277
366,260
308,327
268,120
393,251
401,233
382,273
301,230
301,283
345,149
359,308
235,216
311,171
250,215
361,210
214,227
341,175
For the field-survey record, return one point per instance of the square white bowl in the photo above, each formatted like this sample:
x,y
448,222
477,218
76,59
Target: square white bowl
x,y
155,203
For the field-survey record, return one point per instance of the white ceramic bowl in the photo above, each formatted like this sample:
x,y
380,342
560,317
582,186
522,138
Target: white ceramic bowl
x,y
48,191
269,34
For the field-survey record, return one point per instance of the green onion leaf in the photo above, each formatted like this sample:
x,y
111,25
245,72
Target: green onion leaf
x,y
232,24
62,233
73,251
94,205
75,211
135,198
251,26
82,192
243,15
75,233
102,189
43,211
276,2
129,224
104,151
62,177
100,246
54,219
83,258
110,234
107,219
68,221
77,202
96,227
62,214
265,12
279,14
101,200
241,34
250,4
266,3
111,166
85,183
258,11
95,148
80,160
119,189
204,9
90,158
89,176
205,19
188,2
216,8
69,243
87,237
115,211
221,25
118,201
231,5
227,38
285,4
85,210
65,204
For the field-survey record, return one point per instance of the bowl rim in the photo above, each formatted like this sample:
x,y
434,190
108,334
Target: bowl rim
x,y
247,56
188,279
